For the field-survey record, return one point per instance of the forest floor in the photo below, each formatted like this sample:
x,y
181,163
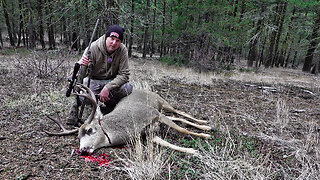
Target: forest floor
x,y
267,123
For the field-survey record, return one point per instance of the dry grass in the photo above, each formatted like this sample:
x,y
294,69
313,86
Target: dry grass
x,y
143,161
155,71
229,161
276,139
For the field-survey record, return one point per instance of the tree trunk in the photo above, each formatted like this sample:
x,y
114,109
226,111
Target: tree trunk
x,y
253,44
52,43
261,56
288,39
14,32
74,41
131,28
269,61
20,32
235,8
242,10
316,72
111,16
283,10
153,28
87,31
6,16
41,31
312,46
1,40
146,33
31,32
64,33
163,28
287,58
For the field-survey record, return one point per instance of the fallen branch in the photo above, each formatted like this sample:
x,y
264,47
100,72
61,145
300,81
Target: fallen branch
x,y
3,138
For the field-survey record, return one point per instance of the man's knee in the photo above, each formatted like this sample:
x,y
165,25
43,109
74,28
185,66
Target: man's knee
x,y
117,95
95,85
127,88
124,90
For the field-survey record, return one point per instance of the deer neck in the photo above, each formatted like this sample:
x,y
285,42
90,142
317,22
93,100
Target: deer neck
x,y
98,115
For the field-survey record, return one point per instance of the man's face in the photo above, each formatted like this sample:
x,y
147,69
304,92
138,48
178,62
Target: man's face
x,y
112,44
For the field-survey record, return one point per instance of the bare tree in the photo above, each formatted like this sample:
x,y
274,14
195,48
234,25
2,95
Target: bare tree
x,y
276,19
253,44
131,28
283,10
6,16
312,45
146,31
31,32
1,40
52,43
41,31
21,22
316,71
162,49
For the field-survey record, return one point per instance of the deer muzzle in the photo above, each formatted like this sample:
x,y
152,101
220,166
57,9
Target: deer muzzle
x,y
85,151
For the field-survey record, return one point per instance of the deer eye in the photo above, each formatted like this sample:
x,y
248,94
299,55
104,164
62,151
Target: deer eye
x,y
89,132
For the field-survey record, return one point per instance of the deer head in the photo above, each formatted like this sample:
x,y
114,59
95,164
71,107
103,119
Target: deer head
x,y
90,134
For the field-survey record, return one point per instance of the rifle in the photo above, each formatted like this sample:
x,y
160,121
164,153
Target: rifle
x,y
89,68
72,80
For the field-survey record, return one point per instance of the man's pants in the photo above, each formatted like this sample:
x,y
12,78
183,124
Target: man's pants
x,y
115,95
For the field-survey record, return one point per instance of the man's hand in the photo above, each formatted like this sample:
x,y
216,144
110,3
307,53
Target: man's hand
x,y
85,59
104,94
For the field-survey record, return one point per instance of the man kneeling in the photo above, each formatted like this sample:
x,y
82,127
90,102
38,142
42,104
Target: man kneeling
x,y
109,76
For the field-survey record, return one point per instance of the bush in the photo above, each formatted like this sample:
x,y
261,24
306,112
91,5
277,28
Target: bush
x,y
171,60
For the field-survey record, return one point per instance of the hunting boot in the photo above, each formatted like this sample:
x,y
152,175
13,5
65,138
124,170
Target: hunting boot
x,y
73,115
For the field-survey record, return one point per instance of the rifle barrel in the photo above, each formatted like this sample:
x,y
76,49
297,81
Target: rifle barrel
x,y
92,36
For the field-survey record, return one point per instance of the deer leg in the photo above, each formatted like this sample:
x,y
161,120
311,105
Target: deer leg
x,y
202,127
171,109
164,143
165,120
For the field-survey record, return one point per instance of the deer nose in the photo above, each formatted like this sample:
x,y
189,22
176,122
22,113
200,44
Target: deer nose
x,y
86,151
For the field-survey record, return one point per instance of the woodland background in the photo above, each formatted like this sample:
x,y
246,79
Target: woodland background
x,y
207,34
245,67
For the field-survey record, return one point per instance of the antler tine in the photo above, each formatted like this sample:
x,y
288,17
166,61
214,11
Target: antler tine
x,y
84,88
91,97
64,130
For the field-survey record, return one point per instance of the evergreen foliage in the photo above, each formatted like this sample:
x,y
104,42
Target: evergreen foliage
x,y
204,33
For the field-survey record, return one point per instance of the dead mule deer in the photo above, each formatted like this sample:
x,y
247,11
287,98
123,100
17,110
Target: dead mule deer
x,y
130,116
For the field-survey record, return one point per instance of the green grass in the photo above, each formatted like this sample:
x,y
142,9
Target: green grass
x,y
171,60
11,51
248,70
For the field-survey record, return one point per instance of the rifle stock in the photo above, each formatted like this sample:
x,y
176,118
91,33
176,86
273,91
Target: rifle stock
x,y
73,79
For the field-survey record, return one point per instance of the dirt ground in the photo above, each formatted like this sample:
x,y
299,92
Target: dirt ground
x,y
281,120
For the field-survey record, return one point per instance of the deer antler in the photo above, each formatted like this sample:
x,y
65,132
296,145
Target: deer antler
x,y
87,93
91,97
64,130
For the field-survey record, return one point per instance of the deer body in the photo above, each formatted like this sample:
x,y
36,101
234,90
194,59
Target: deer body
x,y
131,116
